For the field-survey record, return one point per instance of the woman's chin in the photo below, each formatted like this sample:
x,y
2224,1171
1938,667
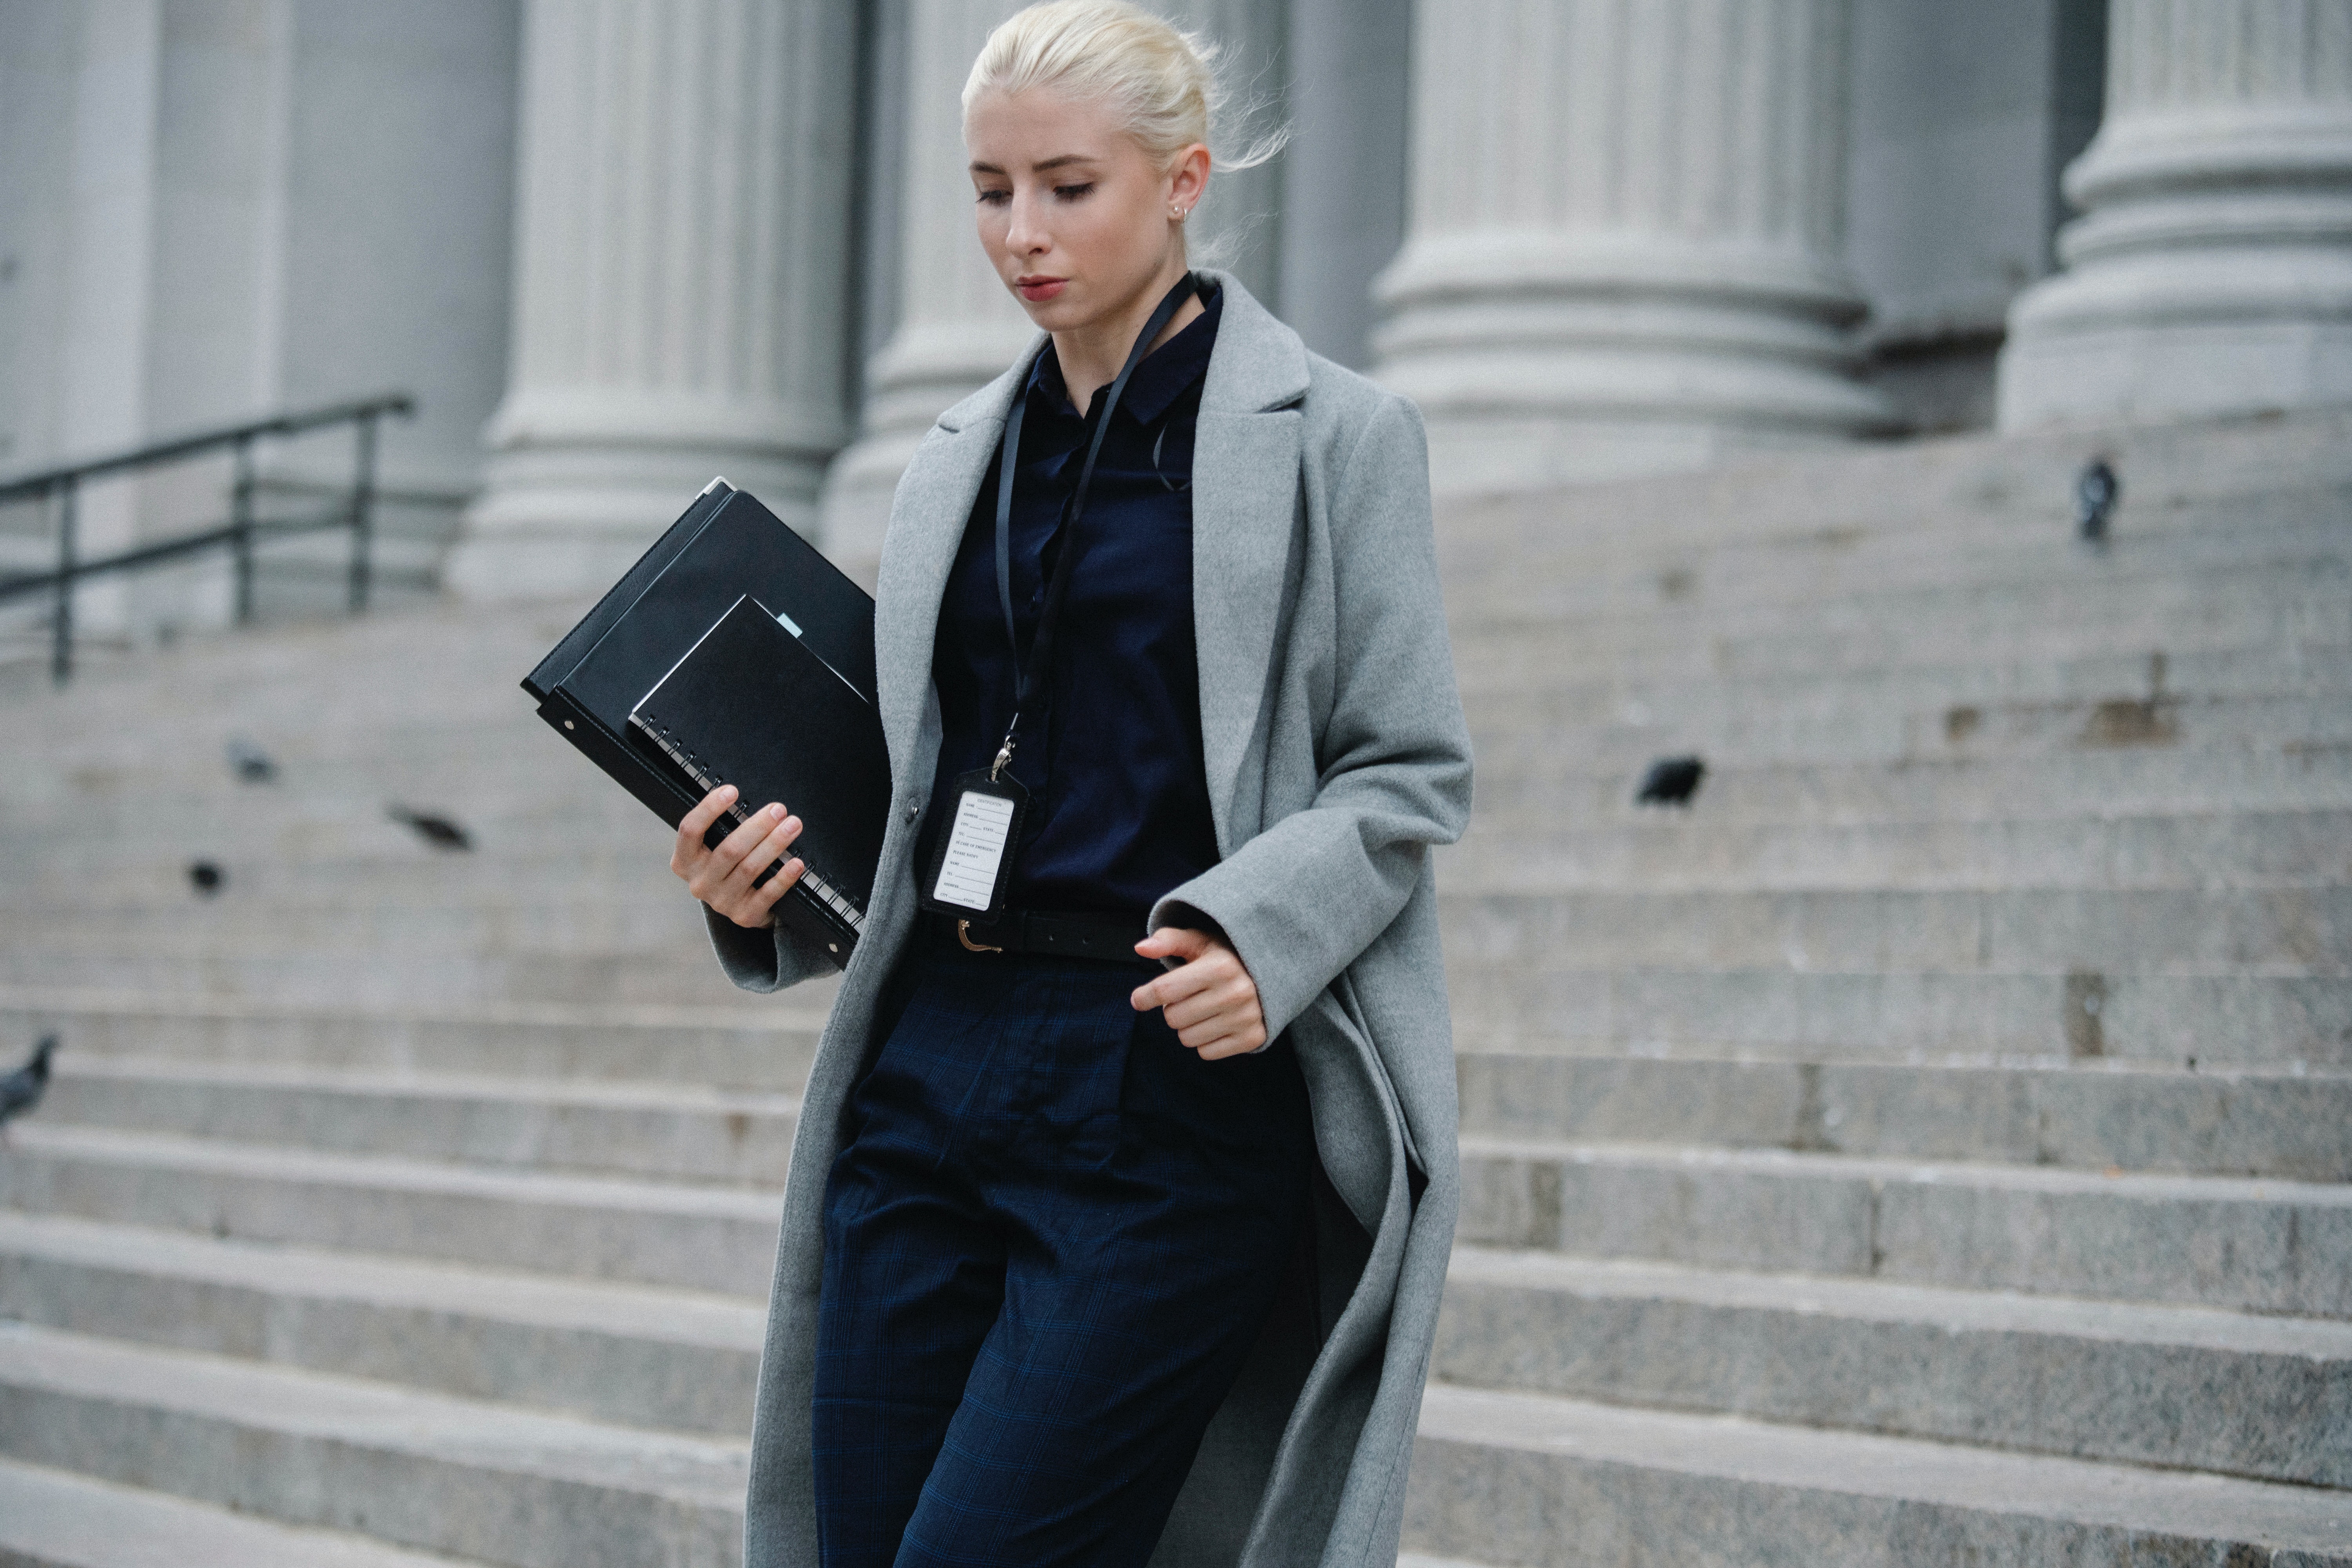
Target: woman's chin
x,y
1058,313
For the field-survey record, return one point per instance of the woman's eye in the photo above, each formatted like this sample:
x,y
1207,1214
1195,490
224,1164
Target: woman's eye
x,y
1073,193
994,198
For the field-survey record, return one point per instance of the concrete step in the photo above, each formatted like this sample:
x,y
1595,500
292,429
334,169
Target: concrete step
x,y
2264,1245
1656,850
2300,932
637,1354
232,924
680,976
2056,616
1981,489
607,865
1691,852
2302,602
2082,1116
1518,735
2092,783
1982,678
52,1519
462,1476
1574,573
2286,932
679,1131
1548,1482
680,1234
1997,481
2180,1387
766,1046
2253,1022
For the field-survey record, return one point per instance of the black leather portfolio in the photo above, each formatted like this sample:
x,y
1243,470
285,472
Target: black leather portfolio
x,y
766,652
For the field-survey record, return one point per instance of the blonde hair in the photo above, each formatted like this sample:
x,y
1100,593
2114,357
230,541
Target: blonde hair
x,y
1163,83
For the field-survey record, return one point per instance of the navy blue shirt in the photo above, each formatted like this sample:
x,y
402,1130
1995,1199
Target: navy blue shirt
x,y
1110,749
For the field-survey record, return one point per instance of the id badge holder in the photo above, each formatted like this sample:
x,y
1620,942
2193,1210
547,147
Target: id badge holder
x,y
972,861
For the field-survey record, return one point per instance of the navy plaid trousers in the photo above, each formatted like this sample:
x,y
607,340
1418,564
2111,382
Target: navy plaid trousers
x,y
1051,1235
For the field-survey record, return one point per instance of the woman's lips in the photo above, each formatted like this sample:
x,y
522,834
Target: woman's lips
x,y
1037,290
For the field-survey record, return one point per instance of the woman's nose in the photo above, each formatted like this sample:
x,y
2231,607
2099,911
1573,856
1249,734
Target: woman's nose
x,y
1022,235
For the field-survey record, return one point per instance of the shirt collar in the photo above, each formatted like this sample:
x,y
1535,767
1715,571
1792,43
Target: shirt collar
x,y
1162,377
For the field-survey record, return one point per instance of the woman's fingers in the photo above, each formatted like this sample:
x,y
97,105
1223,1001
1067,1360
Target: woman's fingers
x,y
765,851
763,896
687,859
1235,1001
1231,1046
1212,968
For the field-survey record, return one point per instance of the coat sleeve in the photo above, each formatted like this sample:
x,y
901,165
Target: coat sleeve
x,y
1304,898
763,960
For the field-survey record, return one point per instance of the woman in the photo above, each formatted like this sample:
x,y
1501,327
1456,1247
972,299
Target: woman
x,y
1125,1178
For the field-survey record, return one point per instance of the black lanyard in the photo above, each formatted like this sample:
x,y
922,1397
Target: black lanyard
x,y
1027,673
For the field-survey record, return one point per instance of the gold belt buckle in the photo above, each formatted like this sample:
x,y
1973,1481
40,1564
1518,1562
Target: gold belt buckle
x,y
963,935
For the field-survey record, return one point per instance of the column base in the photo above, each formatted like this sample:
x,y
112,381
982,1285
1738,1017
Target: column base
x,y
2210,275
556,524
928,369
581,481
2194,336
854,509
1540,360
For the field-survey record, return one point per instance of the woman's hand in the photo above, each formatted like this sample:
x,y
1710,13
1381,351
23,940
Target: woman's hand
x,y
1210,1001
721,878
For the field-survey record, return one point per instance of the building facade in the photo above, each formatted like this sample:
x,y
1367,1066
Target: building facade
x,y
617,246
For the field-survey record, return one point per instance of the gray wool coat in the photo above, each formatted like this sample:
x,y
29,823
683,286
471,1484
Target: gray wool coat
x,y
1337,756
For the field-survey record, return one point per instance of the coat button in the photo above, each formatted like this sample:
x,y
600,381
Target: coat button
x,y
911,810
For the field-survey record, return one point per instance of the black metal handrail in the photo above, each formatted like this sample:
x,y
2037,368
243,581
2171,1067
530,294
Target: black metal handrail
x,y
236,535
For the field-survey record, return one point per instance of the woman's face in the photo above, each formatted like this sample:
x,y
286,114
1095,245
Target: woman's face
x,y
1073,214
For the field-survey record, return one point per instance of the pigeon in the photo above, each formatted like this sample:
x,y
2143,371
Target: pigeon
x,y
438,831
21,1091
206,877
1671,781
250,764
2096,491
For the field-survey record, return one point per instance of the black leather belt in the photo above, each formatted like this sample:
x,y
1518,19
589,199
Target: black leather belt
x,y
1108,937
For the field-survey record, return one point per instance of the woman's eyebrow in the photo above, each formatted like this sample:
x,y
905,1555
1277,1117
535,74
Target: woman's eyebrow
x,y
1059,161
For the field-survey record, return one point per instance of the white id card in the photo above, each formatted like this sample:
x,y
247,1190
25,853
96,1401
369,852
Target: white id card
x,y
970,867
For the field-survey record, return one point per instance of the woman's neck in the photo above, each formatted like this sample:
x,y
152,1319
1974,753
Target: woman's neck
x,y
1092,356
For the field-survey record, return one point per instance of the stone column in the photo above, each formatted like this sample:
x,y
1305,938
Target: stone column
x,y
681,279
958,328
2211,271
1626,224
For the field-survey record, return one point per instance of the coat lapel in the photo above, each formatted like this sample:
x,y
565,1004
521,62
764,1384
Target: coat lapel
x,y
926,522
1245,514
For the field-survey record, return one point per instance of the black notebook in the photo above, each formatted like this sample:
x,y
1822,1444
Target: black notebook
x,y
715,719
727,549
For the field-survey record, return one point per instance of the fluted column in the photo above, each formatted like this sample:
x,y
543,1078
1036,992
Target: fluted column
x,y
958,328
1626,221
2211,271
682,255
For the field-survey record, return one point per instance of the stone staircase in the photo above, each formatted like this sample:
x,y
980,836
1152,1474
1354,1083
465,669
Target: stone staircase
x,y
1932,1146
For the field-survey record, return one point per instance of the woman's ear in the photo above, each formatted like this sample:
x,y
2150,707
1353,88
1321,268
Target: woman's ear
x,y
1189,180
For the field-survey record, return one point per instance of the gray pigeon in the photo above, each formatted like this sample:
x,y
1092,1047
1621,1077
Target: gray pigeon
x,y
438,831
250,764
21,1091
2096,492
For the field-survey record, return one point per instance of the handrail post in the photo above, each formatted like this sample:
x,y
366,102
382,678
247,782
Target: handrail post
x,y
61,623
240,517
362,507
